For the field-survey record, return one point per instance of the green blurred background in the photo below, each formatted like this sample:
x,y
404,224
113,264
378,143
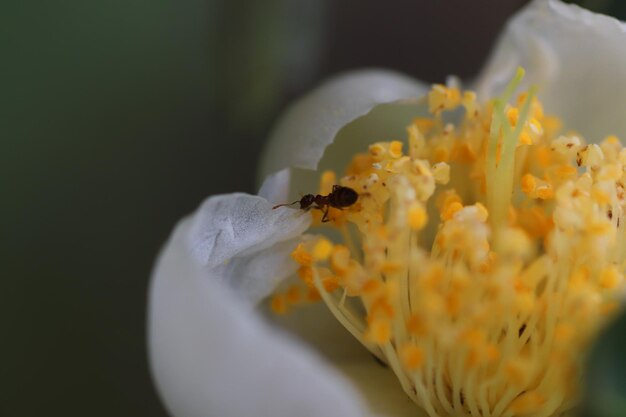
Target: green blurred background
x,y
119,117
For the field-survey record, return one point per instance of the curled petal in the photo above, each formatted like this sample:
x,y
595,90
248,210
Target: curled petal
x,y
576,57
237,237
211,353
311,124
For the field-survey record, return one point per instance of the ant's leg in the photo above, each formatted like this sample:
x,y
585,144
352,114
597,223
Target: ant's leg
x,y
325,218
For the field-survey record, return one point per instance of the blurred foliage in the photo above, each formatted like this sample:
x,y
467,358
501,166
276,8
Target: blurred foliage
x,y
605,394
261,51
116,119
615,8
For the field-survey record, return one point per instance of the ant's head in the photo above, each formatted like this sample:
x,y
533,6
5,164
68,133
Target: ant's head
x,y
306,201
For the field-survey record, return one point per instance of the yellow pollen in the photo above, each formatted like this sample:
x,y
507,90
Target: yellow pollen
x,y
379,332
527,403
294,294
305,273
600,196
513,115
361,165
613,140
565,172
463,153
443,98
543,156
536,188
441,173
610,278
480,263
525,138
492,353
381,309
450,210
301,256
322,249
563,333
377,150
395,149
416,325
412,357
279,304
472,110
417,217
518,372
529,184
371,286
327,181
544,192
441,154
313,295
424,125
340,259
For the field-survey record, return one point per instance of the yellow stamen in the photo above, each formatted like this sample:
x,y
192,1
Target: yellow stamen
x,y
329,178
301,256
279,304
480,265
322,249
417,217
379,332
395,149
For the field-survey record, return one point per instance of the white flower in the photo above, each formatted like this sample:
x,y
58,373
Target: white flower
x,y
213,353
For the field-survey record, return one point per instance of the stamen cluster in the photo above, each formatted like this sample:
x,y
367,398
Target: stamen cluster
x,y
480,263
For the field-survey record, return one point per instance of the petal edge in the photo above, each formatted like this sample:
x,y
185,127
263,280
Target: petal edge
x,y
311,124
576,57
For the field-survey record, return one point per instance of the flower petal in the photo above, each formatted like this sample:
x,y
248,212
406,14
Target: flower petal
x,y
315,326
576,57
275,187
211,353
243,242
311,124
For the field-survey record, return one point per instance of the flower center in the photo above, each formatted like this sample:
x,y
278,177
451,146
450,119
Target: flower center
x,y
480,263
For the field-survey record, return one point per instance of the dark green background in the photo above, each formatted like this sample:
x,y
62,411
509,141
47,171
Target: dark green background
x,y
119,117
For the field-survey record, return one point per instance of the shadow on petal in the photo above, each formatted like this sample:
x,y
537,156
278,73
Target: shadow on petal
x,y
315,325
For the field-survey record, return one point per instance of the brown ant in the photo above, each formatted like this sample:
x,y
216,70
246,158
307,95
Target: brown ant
x,y
340,197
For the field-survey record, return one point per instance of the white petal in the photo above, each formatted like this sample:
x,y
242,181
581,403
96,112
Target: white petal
x,y
576,57
237,237
212,355
275,188
312,123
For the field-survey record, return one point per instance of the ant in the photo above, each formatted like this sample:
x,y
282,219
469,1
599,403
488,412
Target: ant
x,y
340,197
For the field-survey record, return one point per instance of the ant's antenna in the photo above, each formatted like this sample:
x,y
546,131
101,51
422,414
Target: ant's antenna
x,y
285,204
